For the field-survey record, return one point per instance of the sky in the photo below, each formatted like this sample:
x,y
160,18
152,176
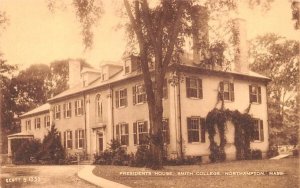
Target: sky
x,y
35,35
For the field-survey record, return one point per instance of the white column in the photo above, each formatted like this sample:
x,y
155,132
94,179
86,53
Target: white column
x,y
9,152
109,128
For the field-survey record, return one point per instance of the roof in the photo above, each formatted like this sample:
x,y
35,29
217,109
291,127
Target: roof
x,y
40,109
20,135
120,76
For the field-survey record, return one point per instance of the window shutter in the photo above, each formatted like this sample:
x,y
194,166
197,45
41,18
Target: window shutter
x,y
146,126
125,91
65,140
70,109
76,139
167,131
135,132
231,88
221,93
117,98
187,87
134,94
200,91
202,122
126,132
83,132
75,108
71,139
250,89
189,126
261,127
118,132
259,95
64,109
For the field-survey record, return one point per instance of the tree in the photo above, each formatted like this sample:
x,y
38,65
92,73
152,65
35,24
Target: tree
x,y
278,58
296,13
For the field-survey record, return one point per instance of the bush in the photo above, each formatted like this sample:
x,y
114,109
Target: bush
x,y
256,154
26,151
141,157
189,160
273,152
296,152
114,155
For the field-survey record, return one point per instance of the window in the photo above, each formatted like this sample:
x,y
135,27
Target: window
x,y
227,91
99,107
258,130
57,112
121,98
78,107
122,133
196,129
68,139
139,94
140,132
28,125
67,110
194,88
165,89
47,121
255,94
166,131
37,123
79,139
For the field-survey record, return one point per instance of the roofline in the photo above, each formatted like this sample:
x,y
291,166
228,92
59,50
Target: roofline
x,y
34,114
171,67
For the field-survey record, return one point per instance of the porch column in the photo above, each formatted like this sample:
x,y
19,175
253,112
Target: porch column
x,y
9,152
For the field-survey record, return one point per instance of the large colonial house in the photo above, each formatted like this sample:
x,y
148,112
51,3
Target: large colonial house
x,y
110,103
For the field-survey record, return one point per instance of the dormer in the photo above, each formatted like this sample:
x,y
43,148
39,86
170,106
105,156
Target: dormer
x,y
131,64
89,74
109,69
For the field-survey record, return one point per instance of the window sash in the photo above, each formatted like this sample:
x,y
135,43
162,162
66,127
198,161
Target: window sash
x,y
196,130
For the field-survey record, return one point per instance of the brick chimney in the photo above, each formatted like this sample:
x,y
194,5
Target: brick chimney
x,y
74,73
200,35
241,63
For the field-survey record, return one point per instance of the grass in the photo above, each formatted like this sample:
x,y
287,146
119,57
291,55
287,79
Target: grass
x,y
289,166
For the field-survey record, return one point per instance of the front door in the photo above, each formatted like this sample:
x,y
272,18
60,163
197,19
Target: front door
x,y
100,142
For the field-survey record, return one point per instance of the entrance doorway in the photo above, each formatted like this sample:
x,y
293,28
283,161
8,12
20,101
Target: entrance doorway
x,y
100,142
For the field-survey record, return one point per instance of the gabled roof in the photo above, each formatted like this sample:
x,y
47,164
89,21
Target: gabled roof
x,y
41,109
121,76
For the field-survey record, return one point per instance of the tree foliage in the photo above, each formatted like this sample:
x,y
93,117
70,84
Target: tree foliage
x,y
278,58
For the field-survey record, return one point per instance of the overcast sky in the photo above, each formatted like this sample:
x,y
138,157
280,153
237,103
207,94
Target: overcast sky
x,y
35,35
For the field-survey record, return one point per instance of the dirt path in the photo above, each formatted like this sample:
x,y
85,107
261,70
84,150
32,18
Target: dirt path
x,y
42,176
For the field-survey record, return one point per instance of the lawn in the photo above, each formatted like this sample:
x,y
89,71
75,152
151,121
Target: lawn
x,y
196,175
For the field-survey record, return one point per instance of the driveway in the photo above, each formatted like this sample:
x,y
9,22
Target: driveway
x,y
42,176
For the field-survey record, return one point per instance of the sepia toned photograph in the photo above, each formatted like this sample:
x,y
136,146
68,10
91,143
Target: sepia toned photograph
x,y
149,93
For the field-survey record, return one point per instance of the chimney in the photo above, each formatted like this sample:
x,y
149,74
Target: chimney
x,y
74,73
240,43
200,35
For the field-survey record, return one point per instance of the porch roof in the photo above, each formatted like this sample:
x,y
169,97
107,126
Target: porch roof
x,y
20,135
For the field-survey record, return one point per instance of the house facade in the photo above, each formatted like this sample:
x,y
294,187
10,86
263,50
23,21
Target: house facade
x,y
110,103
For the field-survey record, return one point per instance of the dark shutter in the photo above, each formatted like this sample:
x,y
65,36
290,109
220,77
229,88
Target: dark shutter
x,y
202,122
76,139
126,132
71,139
187,87
126,97
231,90
117,99
135,132
134,94
146,126
83,134
188,127
76,108
167,131
261,127
259,95
200,91
118,131
65,140
250,89
221,93
70,109
64,109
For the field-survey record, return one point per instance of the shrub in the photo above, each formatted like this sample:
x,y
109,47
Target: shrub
x,y
52,151
141,157
256,154
296,152
272,152
26,151
114,155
